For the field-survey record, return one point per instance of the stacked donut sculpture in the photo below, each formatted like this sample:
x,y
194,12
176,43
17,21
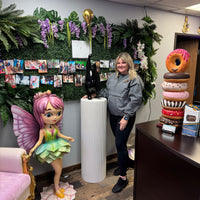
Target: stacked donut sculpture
x,y
175,88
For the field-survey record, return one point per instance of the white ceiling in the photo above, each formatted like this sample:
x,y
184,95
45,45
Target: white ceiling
x,y
177,6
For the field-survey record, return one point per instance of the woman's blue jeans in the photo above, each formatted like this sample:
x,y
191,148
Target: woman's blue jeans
x,y
121,138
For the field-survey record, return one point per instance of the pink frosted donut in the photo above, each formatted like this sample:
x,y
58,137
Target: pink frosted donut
x,y
176,96
169,86
178,61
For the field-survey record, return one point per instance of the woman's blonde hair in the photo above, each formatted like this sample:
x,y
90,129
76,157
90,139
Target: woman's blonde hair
x,y
126,58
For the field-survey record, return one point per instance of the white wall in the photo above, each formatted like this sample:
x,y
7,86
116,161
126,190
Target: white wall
x,y
167,24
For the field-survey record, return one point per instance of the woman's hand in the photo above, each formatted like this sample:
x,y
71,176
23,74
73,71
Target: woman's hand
x,y
123,123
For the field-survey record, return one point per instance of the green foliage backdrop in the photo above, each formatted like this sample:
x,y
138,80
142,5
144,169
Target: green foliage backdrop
x,y
60,49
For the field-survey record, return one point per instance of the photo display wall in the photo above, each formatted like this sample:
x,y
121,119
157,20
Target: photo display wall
x,y
54,72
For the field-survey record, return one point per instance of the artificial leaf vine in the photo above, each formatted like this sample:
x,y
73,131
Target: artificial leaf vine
x,y
15,30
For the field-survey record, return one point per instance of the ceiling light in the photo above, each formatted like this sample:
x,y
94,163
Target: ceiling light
x,y
194,7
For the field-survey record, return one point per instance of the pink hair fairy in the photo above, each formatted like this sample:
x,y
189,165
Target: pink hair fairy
x,y
41,99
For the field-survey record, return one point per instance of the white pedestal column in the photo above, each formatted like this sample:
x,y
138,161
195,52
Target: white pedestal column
x,y
93,139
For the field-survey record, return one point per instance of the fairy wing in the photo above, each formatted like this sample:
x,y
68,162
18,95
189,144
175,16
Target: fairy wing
x,y
25,127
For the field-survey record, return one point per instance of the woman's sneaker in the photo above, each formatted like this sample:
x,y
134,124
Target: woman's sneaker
x,y
120,185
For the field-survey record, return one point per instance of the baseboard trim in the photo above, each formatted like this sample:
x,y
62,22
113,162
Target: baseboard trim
x,y
68,169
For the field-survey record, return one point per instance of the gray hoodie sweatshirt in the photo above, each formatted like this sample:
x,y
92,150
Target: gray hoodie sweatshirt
x,y
124,98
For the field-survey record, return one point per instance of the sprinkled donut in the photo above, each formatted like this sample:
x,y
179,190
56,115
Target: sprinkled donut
x,y
170,86
176,96
178,61
173,122
173,105
176,77
173,114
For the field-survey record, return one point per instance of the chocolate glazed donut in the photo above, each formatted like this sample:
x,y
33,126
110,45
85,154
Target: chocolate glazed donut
x,y
176,77
173,122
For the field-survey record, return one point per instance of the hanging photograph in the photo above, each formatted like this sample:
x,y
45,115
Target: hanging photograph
x,y
112,64
78,80
81,65
104,63
68,78
31,64
8,65
103,77
18,66
34,81
2,69
71,67
63,67
10,78
83,79
57,80
42,66
46,80
53,63
22,80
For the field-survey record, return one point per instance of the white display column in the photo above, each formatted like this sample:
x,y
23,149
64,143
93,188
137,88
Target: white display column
x,y
93,139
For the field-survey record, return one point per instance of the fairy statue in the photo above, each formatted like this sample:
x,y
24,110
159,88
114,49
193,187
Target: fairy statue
x,y
45,123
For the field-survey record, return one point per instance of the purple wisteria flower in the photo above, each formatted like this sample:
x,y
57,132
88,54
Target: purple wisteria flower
x,y
109,32
55,30
49,31
102,29
84,27
125,43
77,29
45,25
74,29
94,31
45,29
19,40
61,24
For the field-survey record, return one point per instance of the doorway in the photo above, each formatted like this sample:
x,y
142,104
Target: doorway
x,y
191,43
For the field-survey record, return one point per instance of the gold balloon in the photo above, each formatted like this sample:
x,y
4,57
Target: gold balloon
x,y
88,15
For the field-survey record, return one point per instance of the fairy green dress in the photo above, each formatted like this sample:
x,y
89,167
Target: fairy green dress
x,y
53,147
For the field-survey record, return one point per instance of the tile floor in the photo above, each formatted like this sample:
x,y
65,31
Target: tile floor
x,y
94,191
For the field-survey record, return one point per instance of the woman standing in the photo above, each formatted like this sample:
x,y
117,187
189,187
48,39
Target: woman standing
x,y
124,93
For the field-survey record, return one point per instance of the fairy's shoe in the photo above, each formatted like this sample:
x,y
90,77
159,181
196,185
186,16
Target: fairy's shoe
x,y
62,190
59,194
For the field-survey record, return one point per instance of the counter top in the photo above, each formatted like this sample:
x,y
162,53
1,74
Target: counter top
x,y
187,146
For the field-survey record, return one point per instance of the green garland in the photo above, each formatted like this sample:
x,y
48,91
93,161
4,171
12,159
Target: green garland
x,y
61,49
